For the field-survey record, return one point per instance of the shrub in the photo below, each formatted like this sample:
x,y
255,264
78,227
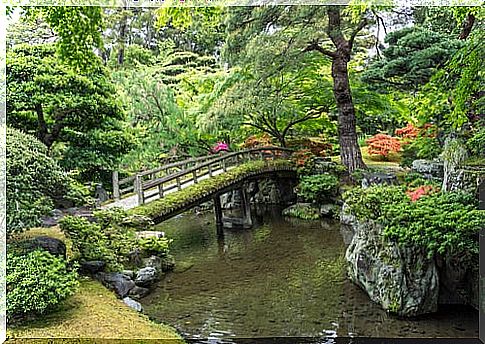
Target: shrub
x,y
421,148
476,144
155,246
382,144
88,241
37,283
408,132
34,180
318,187
302,211
439,222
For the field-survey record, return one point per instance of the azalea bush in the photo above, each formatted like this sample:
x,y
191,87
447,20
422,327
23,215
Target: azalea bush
x,y
383,145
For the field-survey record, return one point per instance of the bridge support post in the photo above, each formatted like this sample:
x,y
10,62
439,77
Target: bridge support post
x,y
218,214
116,186
246,208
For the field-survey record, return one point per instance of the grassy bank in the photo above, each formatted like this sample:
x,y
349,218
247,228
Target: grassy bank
x,y
92,312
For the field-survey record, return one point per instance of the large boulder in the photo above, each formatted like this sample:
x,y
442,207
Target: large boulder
x,y
92,267
118,282
139,292
403,281
54,246
146,276
378,178
428,168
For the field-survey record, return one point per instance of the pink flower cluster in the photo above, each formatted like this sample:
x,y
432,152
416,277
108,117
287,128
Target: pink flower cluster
x,y
220,146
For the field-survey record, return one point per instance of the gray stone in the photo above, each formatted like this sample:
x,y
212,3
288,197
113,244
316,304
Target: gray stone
x,y
154,262
146,276
402,280
375,178
92,267
128,273
100,193
133,304
139,292
119,283
149,234
54,246
346,217
328,210
428,168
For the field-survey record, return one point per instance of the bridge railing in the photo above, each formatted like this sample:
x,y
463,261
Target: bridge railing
x,y
159,185
127,185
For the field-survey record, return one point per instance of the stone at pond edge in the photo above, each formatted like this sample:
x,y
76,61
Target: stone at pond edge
x,y
139,292
328,210
92,267
146,276
52,245
133,304
119,283
402,280
149,234
128,273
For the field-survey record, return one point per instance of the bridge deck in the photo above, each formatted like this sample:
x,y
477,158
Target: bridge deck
x,y
131,201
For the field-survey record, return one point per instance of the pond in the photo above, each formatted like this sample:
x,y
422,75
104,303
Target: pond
x,y
283,277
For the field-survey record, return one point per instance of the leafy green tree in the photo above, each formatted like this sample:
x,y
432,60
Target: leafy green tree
x,y
77,116
78,29
325,30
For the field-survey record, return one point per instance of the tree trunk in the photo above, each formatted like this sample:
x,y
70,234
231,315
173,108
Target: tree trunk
x,y
467,26
122,37
350,154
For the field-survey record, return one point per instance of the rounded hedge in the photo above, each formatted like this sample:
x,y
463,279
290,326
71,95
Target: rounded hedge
x,y
33,180
36,283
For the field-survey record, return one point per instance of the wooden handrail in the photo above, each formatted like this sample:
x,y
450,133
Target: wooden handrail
x,y
140,186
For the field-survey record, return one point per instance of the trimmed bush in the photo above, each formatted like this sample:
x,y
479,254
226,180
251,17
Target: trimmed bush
x,y
317,188
89,242
440,222
34,180
36,283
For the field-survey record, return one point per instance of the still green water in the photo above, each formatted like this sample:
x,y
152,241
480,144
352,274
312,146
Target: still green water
x,y
282,278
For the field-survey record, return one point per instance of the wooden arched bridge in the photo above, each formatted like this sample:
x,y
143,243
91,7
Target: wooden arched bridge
x,y
166,191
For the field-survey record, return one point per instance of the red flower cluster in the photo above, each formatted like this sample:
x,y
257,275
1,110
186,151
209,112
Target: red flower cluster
x,y
416,194
382,144
408,132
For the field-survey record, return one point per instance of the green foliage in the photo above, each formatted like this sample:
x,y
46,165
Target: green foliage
x,y
155,246
36,283
75,115
443,222
79,29
476,144
440,222
302,211
423,147
414,180
88,241
205,187
318,187
411,58
34,181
